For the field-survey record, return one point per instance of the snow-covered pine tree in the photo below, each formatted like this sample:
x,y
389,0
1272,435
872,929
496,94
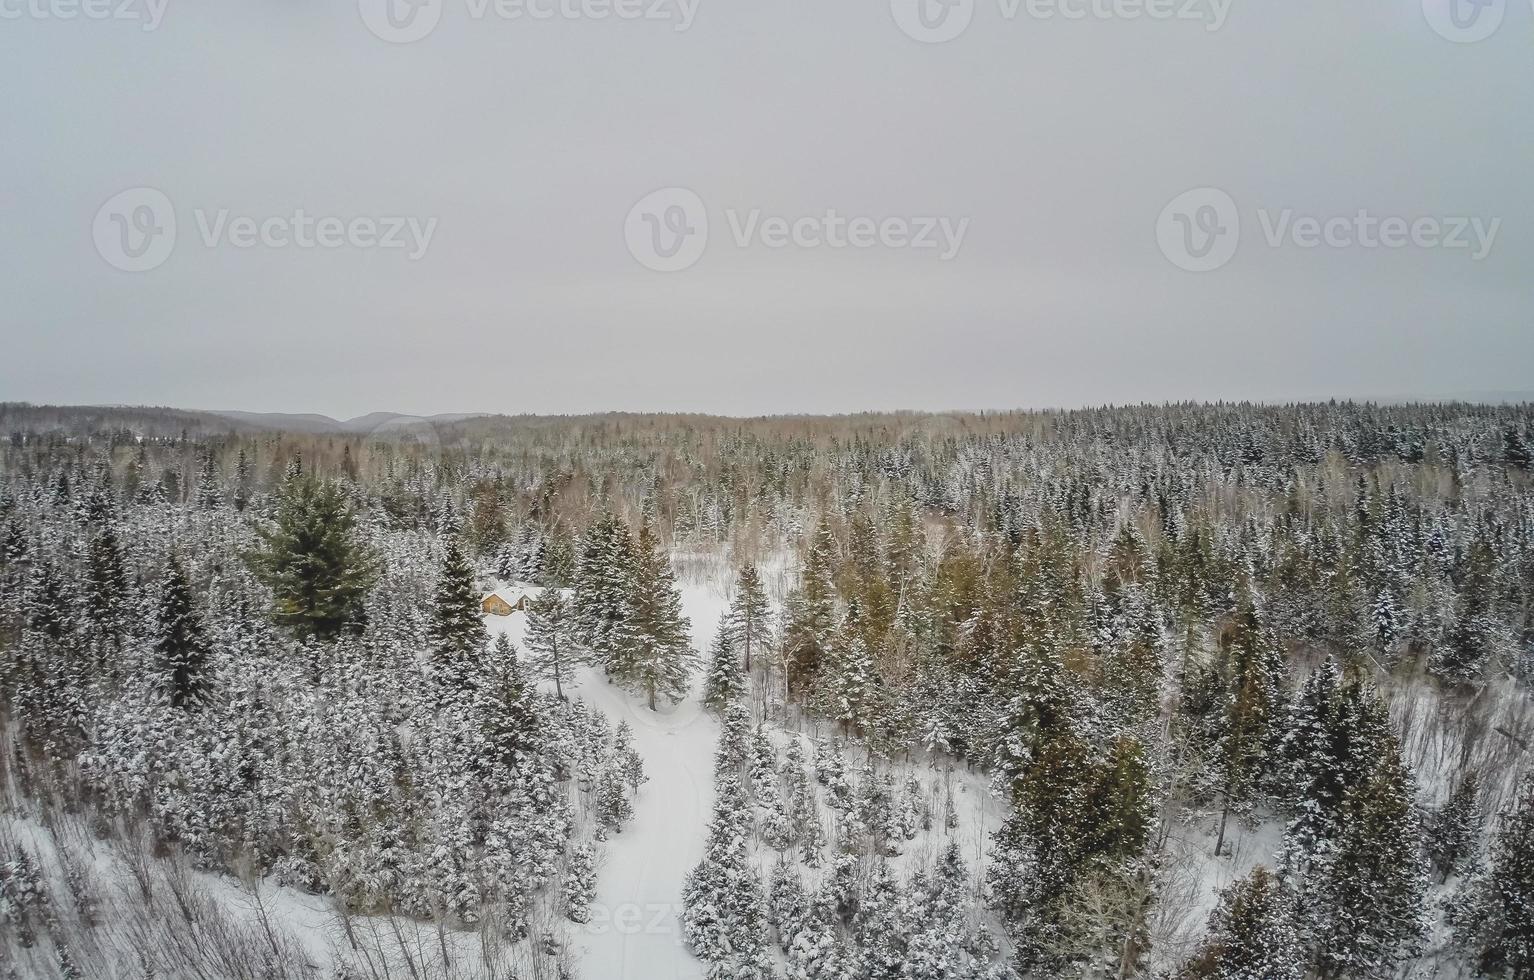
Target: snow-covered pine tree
x,y
603,587
658,659
724,919
1366,895
723,682
628,758
1454,832
1251,934
314,561
750,615
810,617
551,638
457,632
180,640
580,883
1495,914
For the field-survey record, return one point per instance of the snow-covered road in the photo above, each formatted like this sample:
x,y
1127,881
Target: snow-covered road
x,y
635,927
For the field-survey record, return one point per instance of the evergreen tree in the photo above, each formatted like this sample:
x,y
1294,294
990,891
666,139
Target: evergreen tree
x,y
723,683
1252,726
551,638
314,562
1366,894
180,641
657,658
106,586
603,588
750,615
1495,916
723,918
811,614
457,632
580,883
1251,935
1455,829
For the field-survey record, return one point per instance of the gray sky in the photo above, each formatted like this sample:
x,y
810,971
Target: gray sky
x,y
528,142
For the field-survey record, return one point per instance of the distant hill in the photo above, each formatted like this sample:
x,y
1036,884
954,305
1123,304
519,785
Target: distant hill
x,y
321,424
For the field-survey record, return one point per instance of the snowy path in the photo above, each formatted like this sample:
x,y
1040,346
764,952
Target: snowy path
x,y
635,929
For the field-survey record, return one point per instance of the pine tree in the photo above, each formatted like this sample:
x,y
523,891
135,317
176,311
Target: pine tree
x,y
657,658
750,615
628,758
1251,935
1366,895
580,883
1456,827
603,588
457,632
723,918
210,491
551,638
811,614
848,684
314,562
1252,726
1495,915
723,683
106,585
180,641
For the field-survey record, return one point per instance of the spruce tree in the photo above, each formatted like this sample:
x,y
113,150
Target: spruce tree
x,y
750,615
313,560
657,657
603,587
1366,896
580,883
457,632
180,641
1455,829
551,638
1495,916
1251,934
723,682
811,614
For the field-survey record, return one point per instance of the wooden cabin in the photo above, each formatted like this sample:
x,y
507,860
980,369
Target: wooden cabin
x,y
494,605
503,603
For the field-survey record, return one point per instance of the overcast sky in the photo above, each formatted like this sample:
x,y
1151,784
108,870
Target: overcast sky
x,y
1048,147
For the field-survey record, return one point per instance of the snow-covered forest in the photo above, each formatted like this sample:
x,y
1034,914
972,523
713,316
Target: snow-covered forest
x,y
1189,691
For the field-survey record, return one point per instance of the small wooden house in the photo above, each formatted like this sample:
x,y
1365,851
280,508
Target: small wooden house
x,y
494,605
504,603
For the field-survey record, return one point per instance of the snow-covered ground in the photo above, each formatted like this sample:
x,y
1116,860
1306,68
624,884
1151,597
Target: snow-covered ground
x,y
635,931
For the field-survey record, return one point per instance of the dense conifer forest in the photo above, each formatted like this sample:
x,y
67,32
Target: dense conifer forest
x,y
1193,691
